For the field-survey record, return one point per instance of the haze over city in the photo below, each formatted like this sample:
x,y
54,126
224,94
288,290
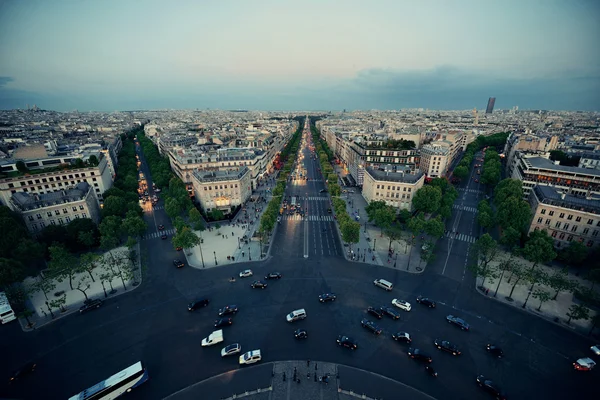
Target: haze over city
x,y
310,55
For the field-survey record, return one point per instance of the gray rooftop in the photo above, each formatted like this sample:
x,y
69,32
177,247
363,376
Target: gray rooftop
x,y
382,175
551,196
544,163
220,176
28,201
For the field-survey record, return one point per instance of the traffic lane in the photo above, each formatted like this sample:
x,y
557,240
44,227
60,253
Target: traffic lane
x,y
450,259
289,240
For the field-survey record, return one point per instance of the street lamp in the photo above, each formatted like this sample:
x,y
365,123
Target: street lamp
x,y
249,255
215,253
374,242
396,260
365,226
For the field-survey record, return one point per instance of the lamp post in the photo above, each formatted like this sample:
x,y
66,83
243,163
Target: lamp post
x,y
374,243
215,253
249,255
365,226
396,260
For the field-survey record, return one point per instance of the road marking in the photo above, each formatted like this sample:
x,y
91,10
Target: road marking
x,y
305,240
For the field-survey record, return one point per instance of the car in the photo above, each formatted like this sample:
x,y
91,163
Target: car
x,y
178,248
246,273
161,227
417,354
401,337
250,357
327,297
229,309
494,350
461,323
178,263
490,387
258,285
300,334
329,210
347,342
273,275
23,371
476,180
401,304
375,312
231,350
446,346
164,237
390,312
584,364
323,191
426,301
90,305
370,326
223,322
194,305
596,349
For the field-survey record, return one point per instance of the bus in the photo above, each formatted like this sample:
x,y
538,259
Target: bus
x,y
293,202
6,312
116,385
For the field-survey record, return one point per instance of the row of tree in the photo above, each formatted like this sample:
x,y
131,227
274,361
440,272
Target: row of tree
x,y
496,141
436,197
491,168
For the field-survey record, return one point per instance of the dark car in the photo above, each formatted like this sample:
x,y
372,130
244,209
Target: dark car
x,y
390,312
461,323
401,337
370,326
223,322
494,350
23,371
197,304
417,354
161,227
164,237
426,302
329,210
446,346
300,334
375,312
347,342
90,305
490,387
323,191
327,297
258,285
178,263
229,309
273,275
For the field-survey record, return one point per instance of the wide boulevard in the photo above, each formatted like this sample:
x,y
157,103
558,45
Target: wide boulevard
x,y
152,323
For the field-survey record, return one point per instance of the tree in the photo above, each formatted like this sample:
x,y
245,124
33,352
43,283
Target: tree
x,y
216,214
43,284
514,213
63,264
510,237
594,276
11,271
508,188
559,281
88,262
503,267
577,312
543,296
384,216
133,225
534,277
574,254
185,238
485,220
87,239
519,272
539,248
78,226
21,167
83,284
434,227
372,208
110,227
487,250
54,234
350,231
121,268
460,172
114,205
595,323
93,161
427,199
195,219
394,233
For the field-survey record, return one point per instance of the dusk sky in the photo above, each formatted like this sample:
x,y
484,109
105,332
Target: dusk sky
x,y
299,55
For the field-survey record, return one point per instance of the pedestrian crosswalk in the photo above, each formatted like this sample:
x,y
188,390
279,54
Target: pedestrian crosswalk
x,y
468,190
465,208
461,236
157,234
298,217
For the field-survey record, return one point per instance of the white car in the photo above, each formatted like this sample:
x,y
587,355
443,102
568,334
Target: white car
x,y
596,349
401,304
231,350
246,273
250,357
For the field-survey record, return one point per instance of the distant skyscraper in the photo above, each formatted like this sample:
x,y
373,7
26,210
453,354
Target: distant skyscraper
x,y
490,107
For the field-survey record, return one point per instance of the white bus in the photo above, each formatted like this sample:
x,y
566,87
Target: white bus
x,y
293,202
6,312
116,385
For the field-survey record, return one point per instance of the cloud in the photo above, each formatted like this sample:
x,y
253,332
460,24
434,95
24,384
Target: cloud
x,y
4,80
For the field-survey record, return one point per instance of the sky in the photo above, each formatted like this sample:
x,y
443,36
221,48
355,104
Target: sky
x,y
299,55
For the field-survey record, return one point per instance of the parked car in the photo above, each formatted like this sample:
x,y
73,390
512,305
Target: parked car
x,y
194,305
246,273
494,350
596,349
178,264
300,334
584,364
370,326
231,350
259,285
401,304
250,357
90,305
390,312
164,237
347,342
161,227
417,354
426,302
223,322
375,312
273,275
323,191
401,337
229,309
22,372
490,387
327,297
446,346
458,322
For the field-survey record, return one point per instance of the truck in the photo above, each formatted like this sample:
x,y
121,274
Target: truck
x,y
213,338
6,312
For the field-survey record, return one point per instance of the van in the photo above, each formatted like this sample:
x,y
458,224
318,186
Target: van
x,y
296,315
382,283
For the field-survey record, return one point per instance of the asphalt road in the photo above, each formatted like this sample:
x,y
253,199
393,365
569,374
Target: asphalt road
x,y
152,324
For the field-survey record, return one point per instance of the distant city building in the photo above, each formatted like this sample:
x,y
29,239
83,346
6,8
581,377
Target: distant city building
x,y
56,208
222,190
437,157
490,105
395,188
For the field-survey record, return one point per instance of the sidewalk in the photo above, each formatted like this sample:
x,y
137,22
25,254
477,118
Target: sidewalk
x,y
41,304
553,310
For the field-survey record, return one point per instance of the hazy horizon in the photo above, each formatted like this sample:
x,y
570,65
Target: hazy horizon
x,y
279,55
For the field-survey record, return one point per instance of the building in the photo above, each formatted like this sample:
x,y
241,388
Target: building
x,y
56,208
589,160
528,143
222,190
534,170
566,218
98,177
490,105
437,157
395,188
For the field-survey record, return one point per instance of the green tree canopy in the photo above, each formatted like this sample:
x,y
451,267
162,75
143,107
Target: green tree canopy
x,y
427,199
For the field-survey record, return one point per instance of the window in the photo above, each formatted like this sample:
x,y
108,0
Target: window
x,y
562,215
548,221
570,217
30,217
586,230
52,222
562,236
42,225
68,219
49,213
551,213
566,227
540,220
65,211
80,207
595,233
590,221
543,211
557,225
74,208
554,234
570,238
60,221
578,219
83,215
57,212
574,228
39,216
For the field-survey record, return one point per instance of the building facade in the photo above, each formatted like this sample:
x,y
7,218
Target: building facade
x,y
395,188
222,190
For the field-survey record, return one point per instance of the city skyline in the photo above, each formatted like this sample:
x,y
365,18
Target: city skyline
x,y
276,55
